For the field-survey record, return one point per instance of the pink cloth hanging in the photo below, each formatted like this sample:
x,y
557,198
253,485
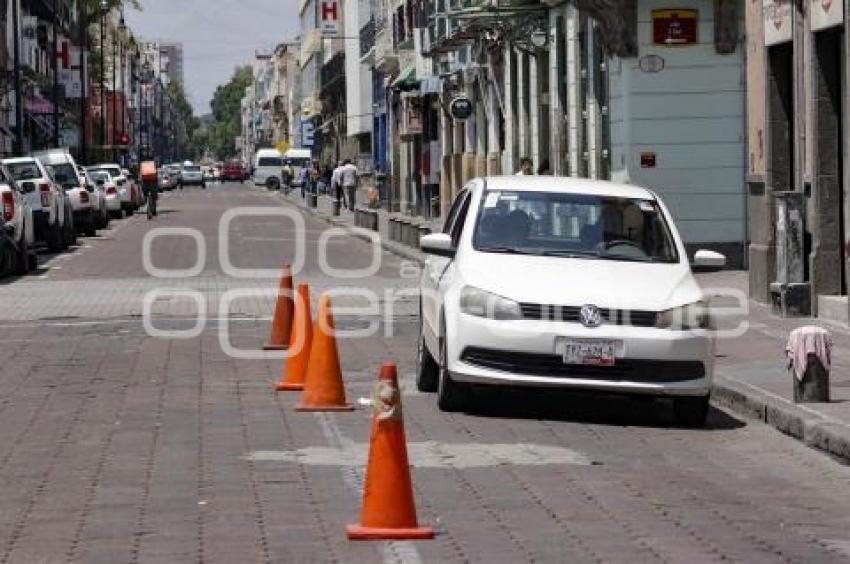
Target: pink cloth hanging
x,y
804,341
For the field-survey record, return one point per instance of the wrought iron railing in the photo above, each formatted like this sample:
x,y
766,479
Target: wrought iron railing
x,y
367,37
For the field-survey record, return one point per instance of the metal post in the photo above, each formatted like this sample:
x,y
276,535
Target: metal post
x,y
18,142
55,67
83,98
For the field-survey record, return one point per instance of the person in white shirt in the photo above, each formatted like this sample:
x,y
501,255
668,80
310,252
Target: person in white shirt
x,y
336,185
348,178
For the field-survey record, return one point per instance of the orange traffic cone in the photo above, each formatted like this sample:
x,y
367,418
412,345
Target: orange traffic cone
x,y
323,388
282,320
388,508
295,367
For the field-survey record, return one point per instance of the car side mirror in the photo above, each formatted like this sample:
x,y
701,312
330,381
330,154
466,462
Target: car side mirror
x,y
27,187
439,244
708,261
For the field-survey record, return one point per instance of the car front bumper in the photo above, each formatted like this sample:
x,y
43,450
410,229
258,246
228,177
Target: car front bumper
x,y
649,361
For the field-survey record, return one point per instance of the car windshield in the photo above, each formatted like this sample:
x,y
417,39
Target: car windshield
x,y
573,225
112,171
191,169
97,175
270,161
66,175
24,171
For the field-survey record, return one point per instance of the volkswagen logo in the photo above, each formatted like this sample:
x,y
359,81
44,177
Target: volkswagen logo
x,y
590,316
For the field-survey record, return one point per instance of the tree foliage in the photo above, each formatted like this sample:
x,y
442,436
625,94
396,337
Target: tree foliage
x,y
227,109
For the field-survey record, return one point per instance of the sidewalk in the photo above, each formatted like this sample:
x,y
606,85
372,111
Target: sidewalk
x,y
750,376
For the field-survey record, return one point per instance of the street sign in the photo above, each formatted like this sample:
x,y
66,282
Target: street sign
x,y
308,133
461,108
330,12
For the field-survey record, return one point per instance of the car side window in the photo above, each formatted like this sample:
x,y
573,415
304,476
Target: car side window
x,y
460,219
447,226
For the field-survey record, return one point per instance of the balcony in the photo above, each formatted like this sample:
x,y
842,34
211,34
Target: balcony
x,y
333,72
386,56
367,38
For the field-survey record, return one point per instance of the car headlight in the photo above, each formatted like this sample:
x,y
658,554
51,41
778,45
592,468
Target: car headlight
x,y
685,318
481,303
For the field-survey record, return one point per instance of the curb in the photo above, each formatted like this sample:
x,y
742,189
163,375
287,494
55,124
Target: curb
x,y
814,430
397,249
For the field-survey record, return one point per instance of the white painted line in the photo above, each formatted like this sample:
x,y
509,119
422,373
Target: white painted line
x,y
433,454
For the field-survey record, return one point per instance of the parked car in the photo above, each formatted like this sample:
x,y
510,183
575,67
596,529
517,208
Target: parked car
x,y
191,174
112,199
138,196
122,183
17,230
60,164
567,283
268,169
233,171
46,198
98,198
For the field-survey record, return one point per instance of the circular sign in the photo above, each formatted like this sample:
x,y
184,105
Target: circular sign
x,y
651,63
461,108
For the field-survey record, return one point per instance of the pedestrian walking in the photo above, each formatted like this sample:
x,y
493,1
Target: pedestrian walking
x,y
336,184
348,176
304,180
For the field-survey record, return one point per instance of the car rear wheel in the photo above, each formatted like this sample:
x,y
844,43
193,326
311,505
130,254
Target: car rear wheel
x,y
273,183
427,369
55,237
451,396
690,411
22,260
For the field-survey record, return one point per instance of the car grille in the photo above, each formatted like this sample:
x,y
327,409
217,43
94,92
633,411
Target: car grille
x,y
543,312
552,365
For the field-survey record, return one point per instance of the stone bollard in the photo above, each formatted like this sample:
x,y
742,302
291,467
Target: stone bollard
x,y
809,354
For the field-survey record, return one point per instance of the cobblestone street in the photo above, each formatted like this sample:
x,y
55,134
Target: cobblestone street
x,y
122,447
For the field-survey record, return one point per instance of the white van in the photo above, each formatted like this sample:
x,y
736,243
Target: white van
x,y
268,169
298,159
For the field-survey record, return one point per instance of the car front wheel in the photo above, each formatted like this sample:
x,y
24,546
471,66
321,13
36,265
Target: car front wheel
x,y
427,369
451,396
690,411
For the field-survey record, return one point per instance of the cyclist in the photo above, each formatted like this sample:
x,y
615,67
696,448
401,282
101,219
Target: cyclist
x,y
150,185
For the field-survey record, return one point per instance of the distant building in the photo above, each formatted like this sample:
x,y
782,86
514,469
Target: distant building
x,y
172,54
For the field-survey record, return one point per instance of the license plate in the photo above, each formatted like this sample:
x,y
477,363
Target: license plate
x,y
588,352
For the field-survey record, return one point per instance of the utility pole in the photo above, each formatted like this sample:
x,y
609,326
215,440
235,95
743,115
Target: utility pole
x,y
18,143
55,67
84,106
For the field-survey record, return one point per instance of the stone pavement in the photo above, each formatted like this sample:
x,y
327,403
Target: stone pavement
x,y
751,375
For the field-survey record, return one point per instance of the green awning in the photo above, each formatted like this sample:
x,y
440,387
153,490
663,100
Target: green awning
x,y
406,79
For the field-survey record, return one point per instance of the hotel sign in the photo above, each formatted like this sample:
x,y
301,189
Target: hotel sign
x,y
778,20
826,13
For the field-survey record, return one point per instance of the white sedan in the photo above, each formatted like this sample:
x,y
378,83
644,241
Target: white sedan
x,y
568,283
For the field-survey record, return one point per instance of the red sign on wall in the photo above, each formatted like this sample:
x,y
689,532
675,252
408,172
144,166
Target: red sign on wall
x,y
674,27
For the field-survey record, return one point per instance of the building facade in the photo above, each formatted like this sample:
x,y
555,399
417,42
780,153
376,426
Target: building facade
x,y
797,171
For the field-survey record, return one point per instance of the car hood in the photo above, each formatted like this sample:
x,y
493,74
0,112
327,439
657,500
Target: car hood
x,y
569,281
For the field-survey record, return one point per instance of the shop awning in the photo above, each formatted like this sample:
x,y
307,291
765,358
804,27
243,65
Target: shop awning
x,y
406,79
